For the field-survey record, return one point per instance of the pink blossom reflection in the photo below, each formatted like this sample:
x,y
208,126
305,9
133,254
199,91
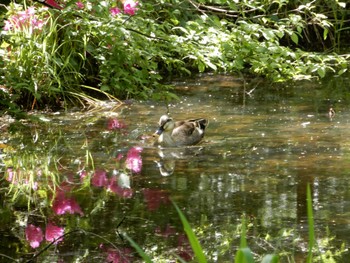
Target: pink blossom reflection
x,y
62,205
34,235
115,124
184,249
113,186
134,160
99,178
167,232
154,198
123,255
82,174
53,232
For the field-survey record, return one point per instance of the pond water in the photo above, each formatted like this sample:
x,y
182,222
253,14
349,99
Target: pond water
x,y
264,143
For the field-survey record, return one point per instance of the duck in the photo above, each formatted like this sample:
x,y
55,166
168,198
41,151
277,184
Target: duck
x,y
180,133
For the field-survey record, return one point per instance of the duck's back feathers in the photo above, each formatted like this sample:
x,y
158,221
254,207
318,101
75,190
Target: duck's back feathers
x,y
181,133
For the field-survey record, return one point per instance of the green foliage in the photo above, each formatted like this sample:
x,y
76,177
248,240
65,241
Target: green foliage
x,y
132,56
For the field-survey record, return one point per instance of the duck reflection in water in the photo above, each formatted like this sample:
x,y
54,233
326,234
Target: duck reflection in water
x,y
175,134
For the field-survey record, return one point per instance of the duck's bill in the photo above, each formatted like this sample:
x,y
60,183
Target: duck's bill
x,y
159,131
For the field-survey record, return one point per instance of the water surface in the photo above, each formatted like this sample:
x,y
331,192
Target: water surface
x,y
264,144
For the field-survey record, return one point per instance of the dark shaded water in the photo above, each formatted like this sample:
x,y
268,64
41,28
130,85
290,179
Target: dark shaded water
x,y
264,144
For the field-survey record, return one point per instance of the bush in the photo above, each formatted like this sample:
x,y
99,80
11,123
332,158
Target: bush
x,y
129,50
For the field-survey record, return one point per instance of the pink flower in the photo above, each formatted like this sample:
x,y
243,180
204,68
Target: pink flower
x,y
134,160
99,178
62,205
35,186
8,25
53,232
80,5
130,7
10,175
82,175
30,12
114,11
24,19
38,24
34,235
53,4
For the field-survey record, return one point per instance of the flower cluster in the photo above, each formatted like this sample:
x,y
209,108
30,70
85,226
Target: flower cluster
x,y
129,8
26,19
119,182
35,236
64,202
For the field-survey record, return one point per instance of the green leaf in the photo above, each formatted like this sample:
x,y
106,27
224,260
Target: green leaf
x,y
270,259
244,255
211,65
321,72
196,247
201,66
295,38
342,4
243,242
139,250
268,34
325,33
342,71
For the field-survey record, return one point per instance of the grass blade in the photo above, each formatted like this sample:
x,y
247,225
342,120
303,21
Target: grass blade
x,y
270,259
196,247
243,243
244,255
139,250
310,218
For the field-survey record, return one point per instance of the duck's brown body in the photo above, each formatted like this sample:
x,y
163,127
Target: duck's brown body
x,y
180,133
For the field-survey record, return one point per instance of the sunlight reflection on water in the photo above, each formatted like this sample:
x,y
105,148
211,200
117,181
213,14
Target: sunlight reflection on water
x,y
264,143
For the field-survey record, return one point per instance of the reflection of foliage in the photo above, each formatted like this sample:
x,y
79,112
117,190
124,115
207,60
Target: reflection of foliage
x,y
52,179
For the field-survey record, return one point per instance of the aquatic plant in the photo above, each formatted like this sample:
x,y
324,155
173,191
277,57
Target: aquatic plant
x,y
244,253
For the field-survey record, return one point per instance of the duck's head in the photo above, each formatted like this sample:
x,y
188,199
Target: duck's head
x,y
165,123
